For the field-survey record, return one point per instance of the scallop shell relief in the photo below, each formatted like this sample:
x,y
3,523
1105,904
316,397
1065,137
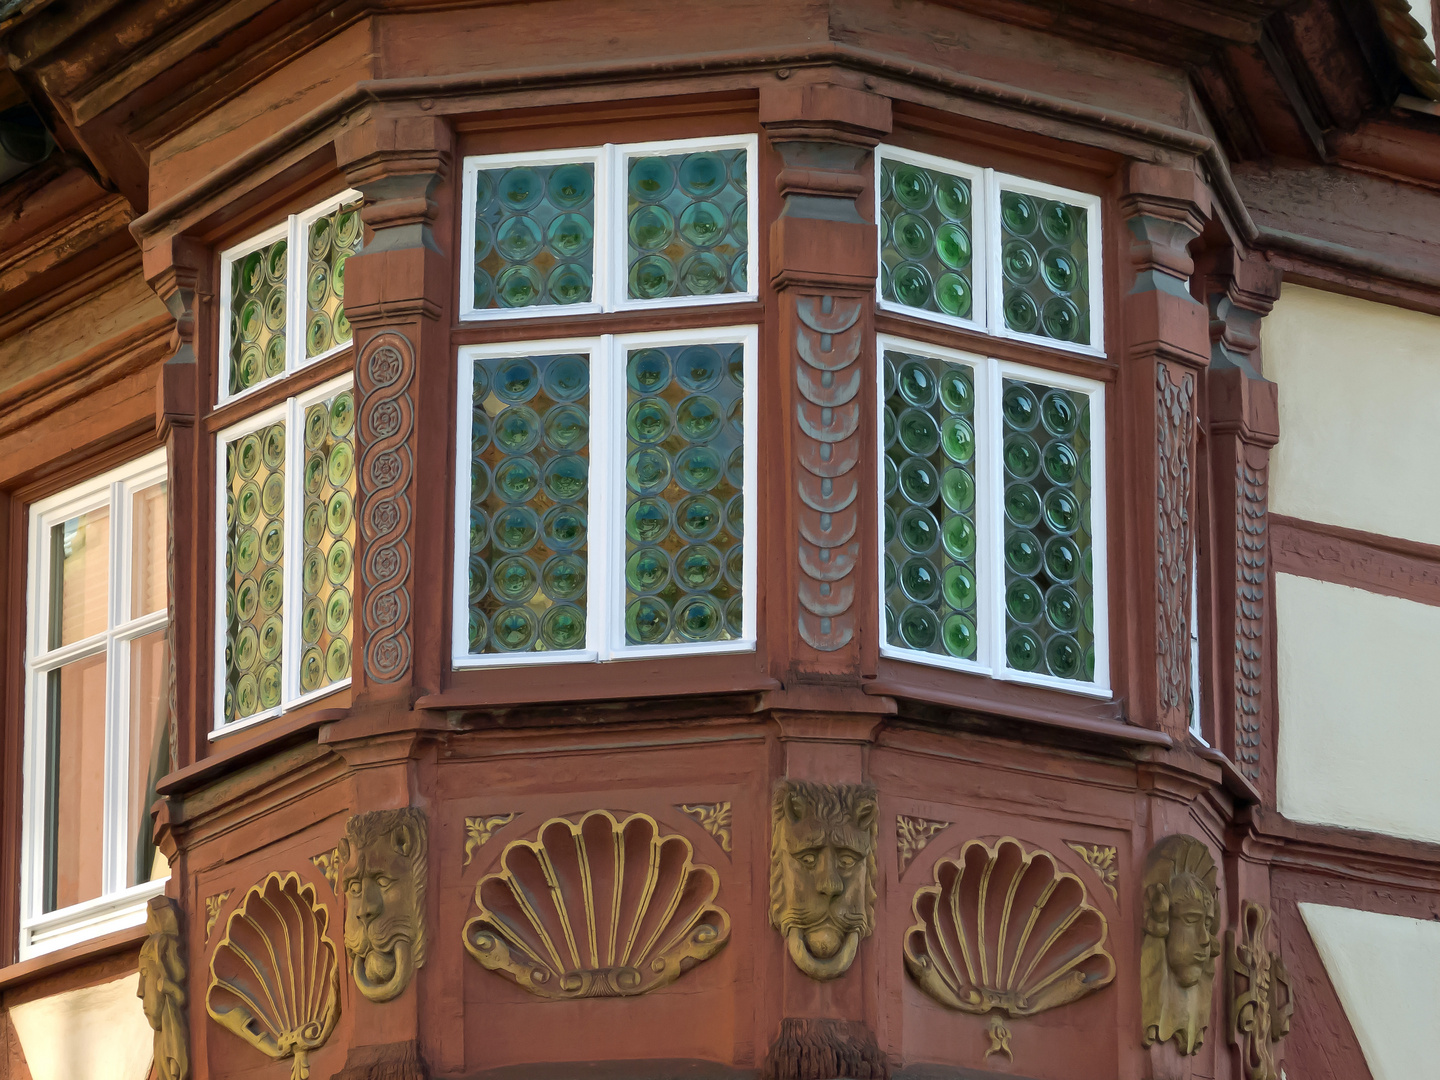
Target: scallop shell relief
x,y
274,977
597,908
1003,928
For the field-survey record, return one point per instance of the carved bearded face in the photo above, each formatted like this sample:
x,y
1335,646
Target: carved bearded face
x,y
822,882
382,875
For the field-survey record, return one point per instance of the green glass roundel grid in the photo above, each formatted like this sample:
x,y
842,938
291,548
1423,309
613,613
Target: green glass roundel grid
x,y
534,235
1047,550
254,571
684,498
929,487
332,240
687,224
926,248
529,477
327,568
1044,267
257,316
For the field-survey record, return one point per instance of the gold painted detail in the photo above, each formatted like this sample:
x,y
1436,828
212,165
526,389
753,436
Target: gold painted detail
x,y
1177,960
713,817
162,988
999,1033
213,904
1103,861
597,908
275,975
822,872
328,863
383,873
1259,991
479,830
912,834
1006,929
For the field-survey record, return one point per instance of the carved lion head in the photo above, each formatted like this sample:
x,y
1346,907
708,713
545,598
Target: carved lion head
x,y
382,875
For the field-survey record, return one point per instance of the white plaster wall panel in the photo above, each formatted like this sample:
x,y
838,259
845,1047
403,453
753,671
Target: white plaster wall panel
x,y
1359,382
95,1033
1386,972
1358,685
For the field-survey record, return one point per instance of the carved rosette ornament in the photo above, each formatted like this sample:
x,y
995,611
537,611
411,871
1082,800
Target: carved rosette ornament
x,y
275,975
1259,992
828,342
1175,435
822,872
386,414
597,908
162,988
1177,960
382,873
1007,930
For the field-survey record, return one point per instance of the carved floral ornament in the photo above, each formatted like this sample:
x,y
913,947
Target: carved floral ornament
x,y
597,907
1259,992
1177,960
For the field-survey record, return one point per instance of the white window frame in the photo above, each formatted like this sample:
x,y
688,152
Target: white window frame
x,y
295,229
986,240
989,375
610,275
292,411
979,236
119,906
605,565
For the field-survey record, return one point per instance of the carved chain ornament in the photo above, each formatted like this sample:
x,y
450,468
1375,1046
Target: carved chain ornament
x,y
1251,482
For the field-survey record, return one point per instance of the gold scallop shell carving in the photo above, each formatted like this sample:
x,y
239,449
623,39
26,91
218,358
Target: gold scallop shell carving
x,y
274,976
597,908
1003,928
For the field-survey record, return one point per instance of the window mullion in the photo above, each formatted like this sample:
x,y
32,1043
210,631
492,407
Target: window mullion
x,y
294,297
992,493
606,466
117,746
291,602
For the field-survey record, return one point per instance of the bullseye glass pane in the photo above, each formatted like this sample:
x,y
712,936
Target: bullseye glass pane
x,y
1044,267
930,512
257,316
529,484
1049,561
684,498
926,250
327,568
534,236
688,225
254,571
332,240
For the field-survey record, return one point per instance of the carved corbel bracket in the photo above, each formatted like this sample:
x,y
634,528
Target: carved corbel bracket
x,y
397,162
162,991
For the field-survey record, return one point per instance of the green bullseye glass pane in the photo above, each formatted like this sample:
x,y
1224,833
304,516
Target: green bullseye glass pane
x,y
926,251
534,240
327,578
529,499
688,225
254,571
930,553
1048,550
332,240
257,316
684,503
1045,267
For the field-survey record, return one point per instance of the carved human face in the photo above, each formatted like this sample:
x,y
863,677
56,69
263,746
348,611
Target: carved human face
x,y
1190,946
383,928
824,861
151,991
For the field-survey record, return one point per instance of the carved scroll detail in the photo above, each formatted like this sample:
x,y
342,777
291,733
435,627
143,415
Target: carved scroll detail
x,y
828,343
479,830
1259,992
713,817
213,904
1175,436
1102,861
384,373
1251,522
162,988
912,834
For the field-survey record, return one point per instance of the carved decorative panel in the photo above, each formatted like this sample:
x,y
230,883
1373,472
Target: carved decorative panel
x,y
384,373
1252,471
1175,438
1259,992
828,344
597,908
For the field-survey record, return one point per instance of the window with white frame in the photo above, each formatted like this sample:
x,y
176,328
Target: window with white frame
x,y
97,666
610,491
285,555
987,251
993,528
282,295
